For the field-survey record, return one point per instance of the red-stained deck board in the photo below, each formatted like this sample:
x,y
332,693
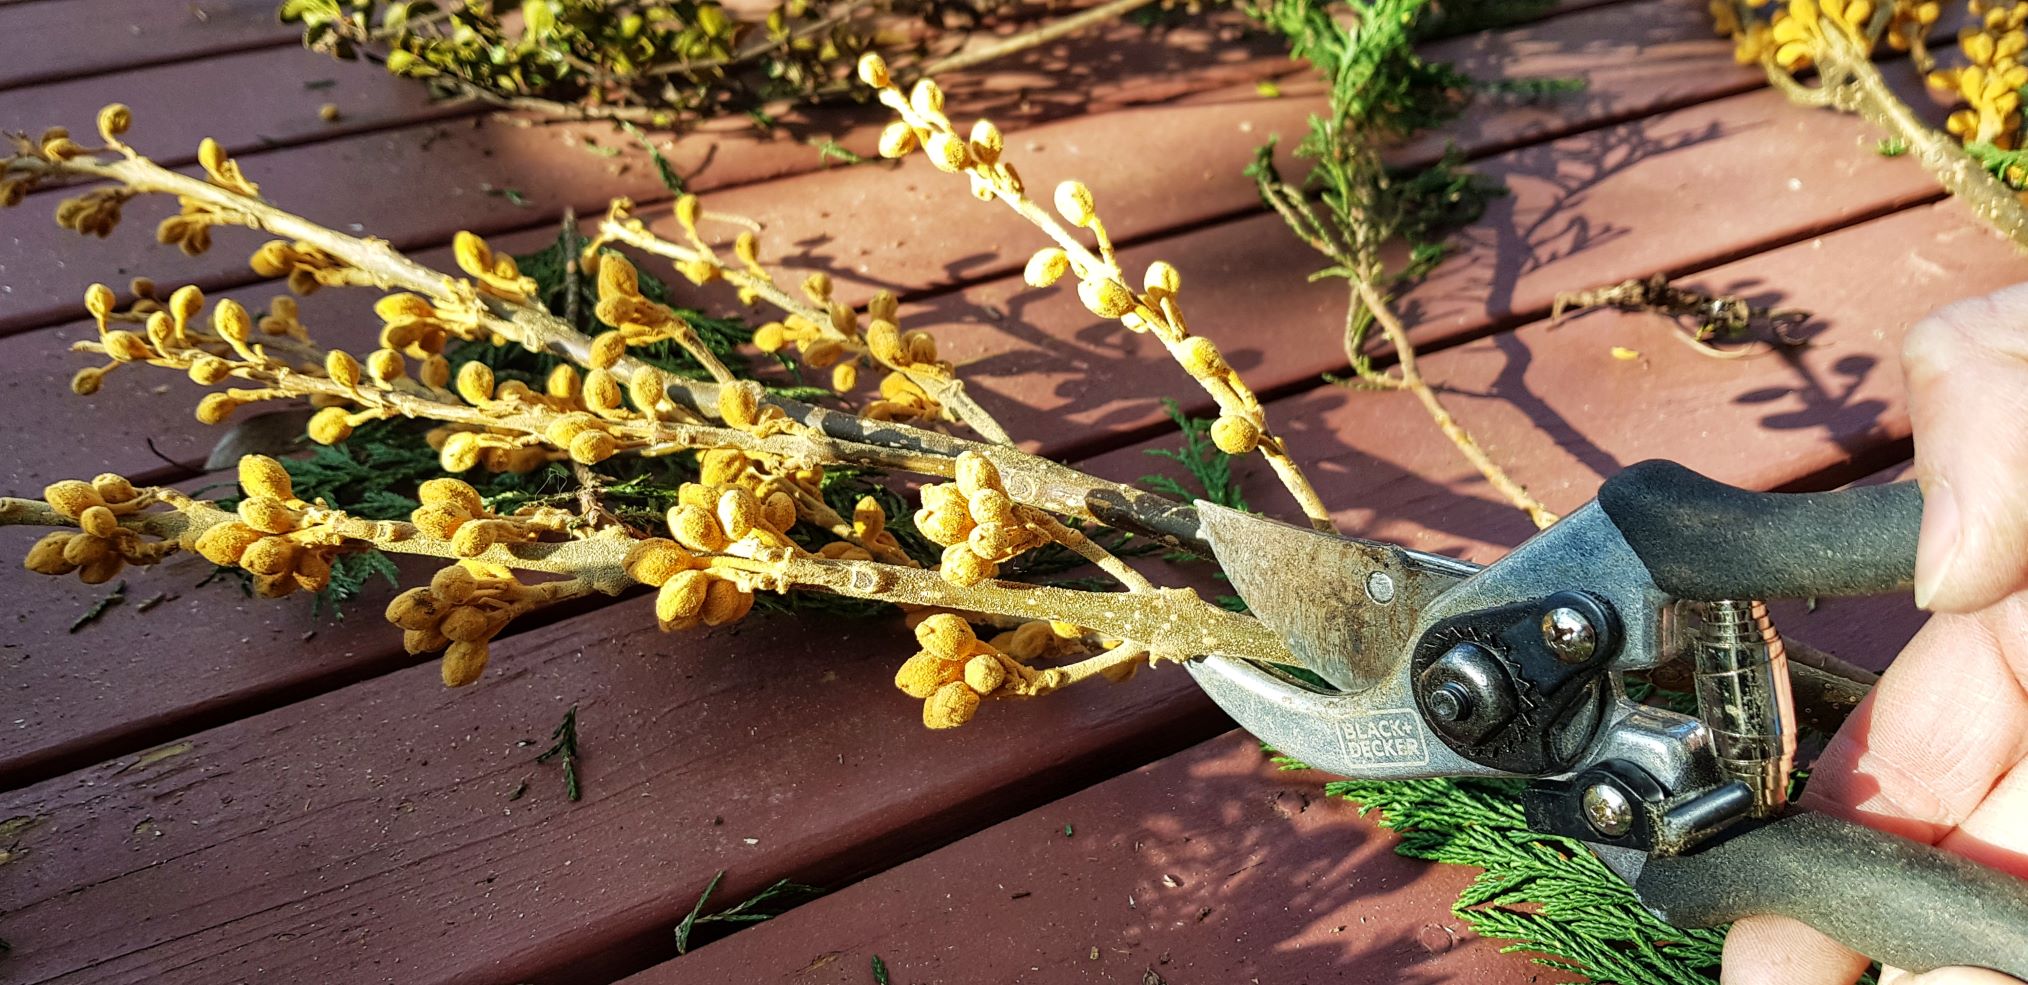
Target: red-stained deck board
x,y
1207,866
246,101
1033,356
1016,344
321,822
47,41
464,168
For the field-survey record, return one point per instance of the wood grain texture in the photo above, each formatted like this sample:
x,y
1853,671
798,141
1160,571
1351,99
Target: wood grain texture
x,y
46,41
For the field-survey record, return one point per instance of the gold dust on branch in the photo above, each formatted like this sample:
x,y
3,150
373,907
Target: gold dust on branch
x,y
755,520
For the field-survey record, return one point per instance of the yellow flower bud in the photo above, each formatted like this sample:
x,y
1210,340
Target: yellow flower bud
x,y
114,120
127,347
947,635
416,609
696,529
1201,359
46,556
463,663
267,515
216,407
475,382
1162,277
844,377
770,337
873,70
987,143
976,472
101,569
606,349
718,466
724,602
869,521
948,153
434,371
1031,640
897,139
472,539
385,366
1002,542
98,521
82,549
1047,266
778,511
270,556
441,522
466,624
738,512
688,211
99,302
1234,435
260,475
453,584
1105,297
1073,202
883,339
71,497
990,506
617,277
472,254
952,705
656,560
739,403
983,674
602,393
312,572
682,596
921,675
225,543
593,447
86,381
114,487
330,426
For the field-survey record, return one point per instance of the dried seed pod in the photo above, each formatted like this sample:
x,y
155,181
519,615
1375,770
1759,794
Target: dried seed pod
x,y
1030,640
225,543
952,705
463,663
921,346
682,596
983,674
656,560
947,635
260,475
922,674
1235,435
71,497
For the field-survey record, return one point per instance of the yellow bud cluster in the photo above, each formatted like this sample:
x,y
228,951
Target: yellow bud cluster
x,y
452,510
1799,28
955,670
94,213
1990,85
306,267
460,612
688,593
100,547
497,273
636,319
924,125
978,524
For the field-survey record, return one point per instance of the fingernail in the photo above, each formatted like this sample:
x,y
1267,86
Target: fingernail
x,y
1937,548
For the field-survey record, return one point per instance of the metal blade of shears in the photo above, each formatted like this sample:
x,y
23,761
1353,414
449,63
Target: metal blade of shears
x,y
1346,608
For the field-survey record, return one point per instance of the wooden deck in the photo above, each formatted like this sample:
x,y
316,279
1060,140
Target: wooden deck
x,y
223,790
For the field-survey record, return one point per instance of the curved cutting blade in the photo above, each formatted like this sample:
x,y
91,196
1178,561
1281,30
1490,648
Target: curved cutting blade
x,y
1347,608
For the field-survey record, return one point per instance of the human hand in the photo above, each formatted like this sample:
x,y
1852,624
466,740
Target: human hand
x,y
1939,751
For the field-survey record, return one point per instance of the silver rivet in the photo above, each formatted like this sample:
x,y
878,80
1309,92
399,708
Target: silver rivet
x,y
1607,810
1450,702
1569,635
1380,587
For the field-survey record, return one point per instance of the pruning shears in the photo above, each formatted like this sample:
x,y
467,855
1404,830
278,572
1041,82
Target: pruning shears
x,y
1431,666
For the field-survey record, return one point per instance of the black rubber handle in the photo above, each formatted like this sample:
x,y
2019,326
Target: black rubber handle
x,y
1702,539
1902,903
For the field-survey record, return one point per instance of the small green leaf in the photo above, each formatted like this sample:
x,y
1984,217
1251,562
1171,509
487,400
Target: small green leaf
x,y
879,971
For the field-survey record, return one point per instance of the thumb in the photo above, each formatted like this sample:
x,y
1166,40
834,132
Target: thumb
x,y
1967,374
1946,976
